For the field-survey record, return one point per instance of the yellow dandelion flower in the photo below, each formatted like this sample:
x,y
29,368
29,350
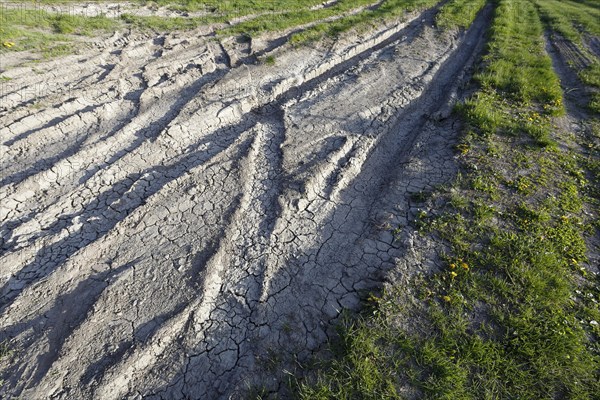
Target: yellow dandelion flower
x,y
464,266
453,274
8,44
452,266
447,299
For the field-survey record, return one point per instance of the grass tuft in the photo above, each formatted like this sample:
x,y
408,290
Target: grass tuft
x,y
459,13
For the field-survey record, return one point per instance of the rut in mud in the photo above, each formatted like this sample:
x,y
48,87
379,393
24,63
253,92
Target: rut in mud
x,y
174,223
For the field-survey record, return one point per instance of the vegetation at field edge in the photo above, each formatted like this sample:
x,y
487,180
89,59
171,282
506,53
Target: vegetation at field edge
x,y
293,18
373,16
460,13
36,29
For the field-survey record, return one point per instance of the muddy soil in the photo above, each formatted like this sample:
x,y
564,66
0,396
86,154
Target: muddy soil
x,y
176,225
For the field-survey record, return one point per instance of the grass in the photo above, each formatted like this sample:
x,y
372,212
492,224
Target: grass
x,y
53,32
574,20
518,66
570,18
4,352
293,18
388,9
37,30
165,24
50,33
261,16
514,311
232,7
460,13
270,60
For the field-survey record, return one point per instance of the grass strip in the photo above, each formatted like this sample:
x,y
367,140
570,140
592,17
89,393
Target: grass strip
x,y
571,18
294,18
514,312
233,7
262,16
574,21
460,13
387,10
34,29
166,24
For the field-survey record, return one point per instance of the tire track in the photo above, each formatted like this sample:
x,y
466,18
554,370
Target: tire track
x,y
220,236
229,113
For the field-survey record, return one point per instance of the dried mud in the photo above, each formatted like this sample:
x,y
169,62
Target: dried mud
x,y
179,221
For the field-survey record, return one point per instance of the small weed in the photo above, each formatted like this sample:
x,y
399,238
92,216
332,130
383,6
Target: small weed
x,y
459,201
4,350
483,212
270,60
423,220
420,196
257,393
523,185
485,184
463,148
57,50
272,360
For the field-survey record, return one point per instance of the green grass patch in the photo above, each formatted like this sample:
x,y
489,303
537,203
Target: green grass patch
x,y
234,7
517,63
460,13
570,18
166,24
37,30
270,60
361,21
293,18
4,352
574,20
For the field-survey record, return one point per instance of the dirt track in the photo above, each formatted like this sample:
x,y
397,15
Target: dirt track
x,y
180,222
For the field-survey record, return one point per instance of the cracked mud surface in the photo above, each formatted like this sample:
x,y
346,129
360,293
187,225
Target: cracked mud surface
x,y
176,225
